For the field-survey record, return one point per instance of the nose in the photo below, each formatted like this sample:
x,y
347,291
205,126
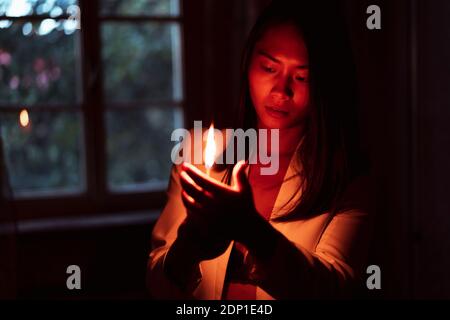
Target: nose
x,y
282,90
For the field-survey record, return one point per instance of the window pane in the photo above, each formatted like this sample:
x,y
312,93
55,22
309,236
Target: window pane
x,y
140,7
20,8
139,147
45,156
39,62
141,62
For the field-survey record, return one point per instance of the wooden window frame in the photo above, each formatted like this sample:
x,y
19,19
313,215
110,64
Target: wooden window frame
x,y
97,199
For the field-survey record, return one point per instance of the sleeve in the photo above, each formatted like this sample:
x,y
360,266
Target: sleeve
x,y
163,236
335,266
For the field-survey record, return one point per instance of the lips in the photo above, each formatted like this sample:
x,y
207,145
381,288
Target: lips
x,y
277,112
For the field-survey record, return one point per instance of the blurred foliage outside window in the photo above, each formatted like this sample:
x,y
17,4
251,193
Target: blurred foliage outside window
x,y
40,71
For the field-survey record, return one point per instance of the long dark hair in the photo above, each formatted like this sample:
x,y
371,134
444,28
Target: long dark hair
x,y
330,152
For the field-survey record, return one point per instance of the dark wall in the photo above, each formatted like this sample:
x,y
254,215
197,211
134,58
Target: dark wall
x,y
383,61
432,222
112,260
403,75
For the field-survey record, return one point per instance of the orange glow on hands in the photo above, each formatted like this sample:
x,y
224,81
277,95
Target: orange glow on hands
x,y
210,149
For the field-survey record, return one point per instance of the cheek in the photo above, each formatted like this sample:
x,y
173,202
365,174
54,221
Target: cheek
x,y
259,88
301,95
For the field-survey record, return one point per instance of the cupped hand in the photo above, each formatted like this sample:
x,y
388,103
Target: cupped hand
x,y
217,209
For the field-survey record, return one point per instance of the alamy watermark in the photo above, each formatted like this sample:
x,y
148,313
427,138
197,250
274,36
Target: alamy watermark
x,y
373,22
374,279
191,146
74,279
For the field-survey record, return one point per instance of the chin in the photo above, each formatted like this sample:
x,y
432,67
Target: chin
x,y
272,123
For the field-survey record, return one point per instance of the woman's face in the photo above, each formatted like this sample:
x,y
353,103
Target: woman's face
x,y
278,78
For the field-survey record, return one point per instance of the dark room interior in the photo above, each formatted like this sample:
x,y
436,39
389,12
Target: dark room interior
x,y
84,183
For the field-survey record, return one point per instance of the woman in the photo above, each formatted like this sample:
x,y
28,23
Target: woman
x,y
303,232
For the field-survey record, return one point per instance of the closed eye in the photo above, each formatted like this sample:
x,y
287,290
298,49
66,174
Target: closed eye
x,y
268,69
301,77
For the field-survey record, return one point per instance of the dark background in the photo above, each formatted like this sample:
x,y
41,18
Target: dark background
x,y
403,75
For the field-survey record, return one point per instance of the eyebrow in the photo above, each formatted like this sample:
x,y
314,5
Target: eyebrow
x,y
267,55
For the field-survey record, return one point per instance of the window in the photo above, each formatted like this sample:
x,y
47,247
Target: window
x,y
90,92
142,89
39,73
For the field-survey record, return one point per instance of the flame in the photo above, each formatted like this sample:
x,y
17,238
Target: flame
x,y
210,150
24,119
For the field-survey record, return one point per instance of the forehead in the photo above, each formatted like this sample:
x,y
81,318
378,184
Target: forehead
x,y
283,41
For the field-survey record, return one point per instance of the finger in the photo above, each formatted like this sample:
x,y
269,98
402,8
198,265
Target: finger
x,y
203,180
239,176
196,211
189,202
198,218
190,229
205,224
193,190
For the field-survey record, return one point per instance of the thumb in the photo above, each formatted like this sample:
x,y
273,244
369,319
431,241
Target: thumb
x,y
239,177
